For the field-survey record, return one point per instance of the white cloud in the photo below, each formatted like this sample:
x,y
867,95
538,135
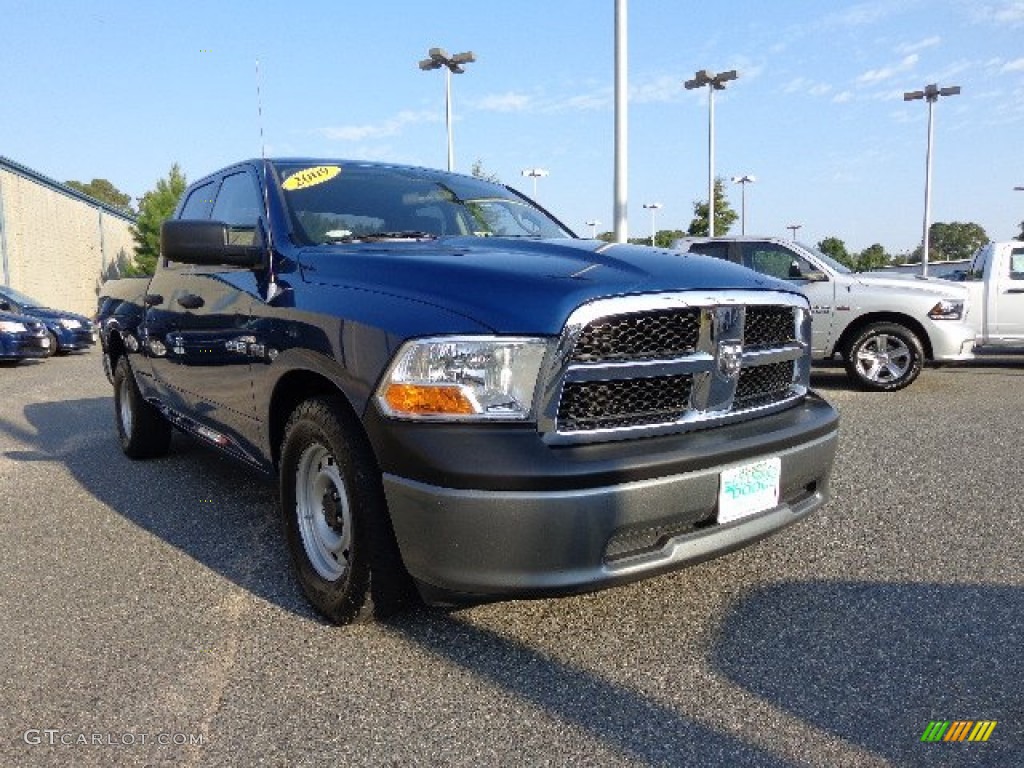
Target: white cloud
x,y
877,75
511,101
1017,65
842,98
390,127
1005,14
928,42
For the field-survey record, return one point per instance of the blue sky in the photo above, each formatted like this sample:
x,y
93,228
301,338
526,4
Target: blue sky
x,y
121,90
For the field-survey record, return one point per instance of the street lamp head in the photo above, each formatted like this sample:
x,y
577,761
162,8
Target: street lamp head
x,y
913,95
653,206
722,78
535,172
745,179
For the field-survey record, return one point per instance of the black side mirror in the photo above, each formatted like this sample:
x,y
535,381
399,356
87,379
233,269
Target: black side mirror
x,y
196,241
5,305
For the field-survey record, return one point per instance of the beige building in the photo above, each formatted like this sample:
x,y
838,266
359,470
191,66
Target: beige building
x,y
57,244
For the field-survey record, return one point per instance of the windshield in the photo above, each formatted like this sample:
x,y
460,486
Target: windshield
x,y
341,203
17,297
836,265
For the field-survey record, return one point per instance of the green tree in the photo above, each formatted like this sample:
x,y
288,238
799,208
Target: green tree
x,y
955,241
105,192
156,206
725,216
480,172
836,248
872,257
1021,235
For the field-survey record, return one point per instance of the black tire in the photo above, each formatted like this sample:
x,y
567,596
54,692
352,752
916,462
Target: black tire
x,y
53,344
143,432
884,357
335,516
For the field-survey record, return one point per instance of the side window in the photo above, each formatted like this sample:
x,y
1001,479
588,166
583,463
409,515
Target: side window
x,y
1017,264
199,202
238,205
717,250
775,262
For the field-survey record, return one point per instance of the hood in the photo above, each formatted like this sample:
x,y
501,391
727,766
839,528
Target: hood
x,y
521,286
901,281
47,313
14,317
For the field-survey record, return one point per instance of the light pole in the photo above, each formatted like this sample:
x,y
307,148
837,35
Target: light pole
x,y
593,228
930,94
535,173
452,65
620,223
653,207
793,228
714,83
743,181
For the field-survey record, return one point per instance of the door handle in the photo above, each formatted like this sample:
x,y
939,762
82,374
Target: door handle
x,y
152,299
1015,290
191,301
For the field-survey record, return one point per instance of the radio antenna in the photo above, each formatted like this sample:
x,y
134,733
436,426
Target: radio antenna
x,y
273,289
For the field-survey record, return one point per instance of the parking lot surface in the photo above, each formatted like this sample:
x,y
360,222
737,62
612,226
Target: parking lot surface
x,y
149,616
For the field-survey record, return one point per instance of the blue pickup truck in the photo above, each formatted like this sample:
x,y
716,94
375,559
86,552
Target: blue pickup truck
x,y
461,401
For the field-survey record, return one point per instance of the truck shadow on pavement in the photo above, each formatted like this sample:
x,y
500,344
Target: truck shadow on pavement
x,y
869,663
874,663
212,509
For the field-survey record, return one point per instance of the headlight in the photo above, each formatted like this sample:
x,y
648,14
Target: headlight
x,y
70,323
947,309
463,378
9,326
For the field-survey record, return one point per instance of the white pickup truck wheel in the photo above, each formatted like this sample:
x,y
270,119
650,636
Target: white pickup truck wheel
x,y
884,357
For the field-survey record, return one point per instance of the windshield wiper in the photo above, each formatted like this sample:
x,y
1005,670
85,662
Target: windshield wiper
x,y
374,237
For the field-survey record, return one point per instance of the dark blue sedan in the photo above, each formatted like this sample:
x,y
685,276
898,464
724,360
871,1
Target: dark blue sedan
x,y
67,331
21,337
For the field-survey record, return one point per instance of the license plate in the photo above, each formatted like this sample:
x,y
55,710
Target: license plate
x,y
749,489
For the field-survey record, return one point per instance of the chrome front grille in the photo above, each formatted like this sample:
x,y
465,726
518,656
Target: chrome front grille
x,y
643,365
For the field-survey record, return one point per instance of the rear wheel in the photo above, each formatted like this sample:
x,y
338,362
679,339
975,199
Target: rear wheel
x,y
335,516
884,357
143,432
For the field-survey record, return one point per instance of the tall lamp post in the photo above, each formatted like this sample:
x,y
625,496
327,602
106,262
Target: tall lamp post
x,y
535,173
930,94
653,207
714,83
452,65
743,181
793,228
593,228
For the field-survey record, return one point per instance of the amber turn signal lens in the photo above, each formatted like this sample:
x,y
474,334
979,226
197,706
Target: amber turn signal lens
x,y
415,399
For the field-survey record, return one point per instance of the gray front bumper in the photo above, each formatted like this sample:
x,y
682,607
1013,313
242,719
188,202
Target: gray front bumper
x,y
470,546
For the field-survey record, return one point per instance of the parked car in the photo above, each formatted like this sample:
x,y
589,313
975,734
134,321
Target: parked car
x,y
461,400
883,326
68,331
996,284
22,337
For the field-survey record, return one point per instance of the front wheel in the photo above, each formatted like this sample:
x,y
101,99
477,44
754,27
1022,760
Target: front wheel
x,y
335,516
143,432
884,357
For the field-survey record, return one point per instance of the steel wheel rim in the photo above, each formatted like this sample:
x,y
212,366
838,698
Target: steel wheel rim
x,y
125,406
323,513
884,358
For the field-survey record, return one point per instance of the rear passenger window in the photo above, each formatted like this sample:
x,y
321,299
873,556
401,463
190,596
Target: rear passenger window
x,y
717,250
1017,264
775,262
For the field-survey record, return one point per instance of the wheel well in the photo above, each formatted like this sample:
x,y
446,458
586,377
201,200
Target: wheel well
x,y
292,389
884,317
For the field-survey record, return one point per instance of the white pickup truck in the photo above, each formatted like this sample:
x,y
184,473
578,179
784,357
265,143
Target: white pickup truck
x,y
883,326
995,283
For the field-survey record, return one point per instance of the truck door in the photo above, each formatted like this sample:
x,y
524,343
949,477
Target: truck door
x,y
204,326
780,262
1006,296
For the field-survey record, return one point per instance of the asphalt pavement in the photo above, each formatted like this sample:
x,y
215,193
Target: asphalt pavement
x,y
148,616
